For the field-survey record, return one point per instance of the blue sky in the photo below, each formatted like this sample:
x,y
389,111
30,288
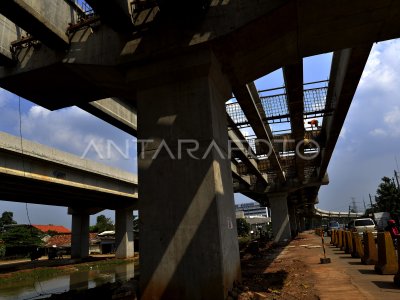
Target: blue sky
x,y
366,150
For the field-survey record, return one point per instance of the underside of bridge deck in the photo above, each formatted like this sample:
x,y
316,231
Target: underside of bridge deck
x,y
164,70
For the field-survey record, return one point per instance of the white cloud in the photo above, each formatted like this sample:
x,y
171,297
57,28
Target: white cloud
x,y
72,130
38,112
378,132
381,71
392,118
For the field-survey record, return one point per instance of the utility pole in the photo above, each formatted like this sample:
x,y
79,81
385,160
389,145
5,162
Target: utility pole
x,y
365,207
397,180
370,199
354,205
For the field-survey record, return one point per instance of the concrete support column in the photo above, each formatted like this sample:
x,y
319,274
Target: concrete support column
x,y
124,233
293,220
280,217
188,236
80,235
302,224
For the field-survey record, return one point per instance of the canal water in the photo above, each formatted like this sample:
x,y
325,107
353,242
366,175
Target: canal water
x,y
39,287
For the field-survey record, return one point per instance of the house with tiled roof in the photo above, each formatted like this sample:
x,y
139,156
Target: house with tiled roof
x,y
52,228
64,241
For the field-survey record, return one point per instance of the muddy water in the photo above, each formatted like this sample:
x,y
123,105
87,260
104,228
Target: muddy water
x,y
39,287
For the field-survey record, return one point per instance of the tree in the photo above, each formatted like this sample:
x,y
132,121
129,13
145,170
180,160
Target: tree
x,y
388,196
243,227
22,236
7,218
102,224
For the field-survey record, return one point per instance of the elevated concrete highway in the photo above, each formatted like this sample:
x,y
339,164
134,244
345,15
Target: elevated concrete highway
x,y
176,63
34,173
336,214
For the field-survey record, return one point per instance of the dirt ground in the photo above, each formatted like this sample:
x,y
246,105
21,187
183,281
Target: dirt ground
x,y
275,272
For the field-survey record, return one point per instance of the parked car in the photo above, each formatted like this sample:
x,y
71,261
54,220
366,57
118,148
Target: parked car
x,y
362,225
332,225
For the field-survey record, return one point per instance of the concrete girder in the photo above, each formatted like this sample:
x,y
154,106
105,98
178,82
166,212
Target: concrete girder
x,y
115,13
9,34
250,38
244,182
46,20
244,151
293,76
114,111
45,175
296,29
347,68
246,95
39,191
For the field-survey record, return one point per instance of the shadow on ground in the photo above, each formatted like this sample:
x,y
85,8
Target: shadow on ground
x,y
385,285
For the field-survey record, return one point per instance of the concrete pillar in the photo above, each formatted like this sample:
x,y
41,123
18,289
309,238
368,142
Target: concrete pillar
x,y
302,224
124,233
280,217
188,236
80,235
293,220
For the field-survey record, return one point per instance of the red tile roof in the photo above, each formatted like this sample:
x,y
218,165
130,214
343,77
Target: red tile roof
x,y
59,240
56,228
64,240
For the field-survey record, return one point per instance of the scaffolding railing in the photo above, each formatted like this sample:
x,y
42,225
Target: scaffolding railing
x,y
276,106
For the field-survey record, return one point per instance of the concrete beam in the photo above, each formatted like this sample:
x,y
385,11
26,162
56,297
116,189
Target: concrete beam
x,y
347,68
46,20
244,151
289,30
243,180
246,95
115,13
114,111
45,175
293,76
9,33
297,29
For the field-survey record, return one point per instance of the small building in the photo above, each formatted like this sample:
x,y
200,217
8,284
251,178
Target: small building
x,y
252,209
56,229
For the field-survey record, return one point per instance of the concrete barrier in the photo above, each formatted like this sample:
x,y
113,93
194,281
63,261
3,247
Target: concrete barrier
x,y
333,237
340,239
349,239
345,246
387,260
358,250
336,238
396,278
370,256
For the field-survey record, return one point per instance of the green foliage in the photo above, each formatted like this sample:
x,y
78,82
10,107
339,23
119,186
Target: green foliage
x,y
388,196
22,236
243,227
2,250
7,219
102,224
